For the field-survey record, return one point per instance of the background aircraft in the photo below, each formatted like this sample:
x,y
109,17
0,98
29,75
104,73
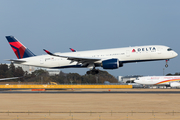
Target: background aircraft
x,y
105,58
172,81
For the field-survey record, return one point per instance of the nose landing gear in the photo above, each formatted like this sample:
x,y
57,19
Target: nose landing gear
x,y
166,63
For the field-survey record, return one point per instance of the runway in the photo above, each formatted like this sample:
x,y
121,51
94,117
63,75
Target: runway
x,y
92,92
138,104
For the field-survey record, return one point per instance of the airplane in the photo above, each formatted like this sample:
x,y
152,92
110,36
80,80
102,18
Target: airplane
x,y
172,81
105,58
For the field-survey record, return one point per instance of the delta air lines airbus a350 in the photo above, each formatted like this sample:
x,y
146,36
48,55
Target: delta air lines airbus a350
x,y
105,58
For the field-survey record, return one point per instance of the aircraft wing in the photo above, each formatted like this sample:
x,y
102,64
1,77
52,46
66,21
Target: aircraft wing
x,y
16,60
76,58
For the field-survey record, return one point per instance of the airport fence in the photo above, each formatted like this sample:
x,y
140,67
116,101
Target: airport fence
x,y
71,115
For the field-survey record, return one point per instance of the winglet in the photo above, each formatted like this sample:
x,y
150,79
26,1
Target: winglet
x,y
48,52
73,50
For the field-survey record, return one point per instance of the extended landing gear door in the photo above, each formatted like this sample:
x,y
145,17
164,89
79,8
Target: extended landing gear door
x,y
90,66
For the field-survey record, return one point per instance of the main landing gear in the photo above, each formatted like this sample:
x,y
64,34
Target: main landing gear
x,y
93,72
166,63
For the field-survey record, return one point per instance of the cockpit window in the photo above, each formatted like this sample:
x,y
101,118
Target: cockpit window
x,y
169,49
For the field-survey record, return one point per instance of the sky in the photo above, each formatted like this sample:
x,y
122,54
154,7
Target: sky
x,y
57,25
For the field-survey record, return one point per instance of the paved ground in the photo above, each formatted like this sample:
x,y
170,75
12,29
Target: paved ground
x,y
90,106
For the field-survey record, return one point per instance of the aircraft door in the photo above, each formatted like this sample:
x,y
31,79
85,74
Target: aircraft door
x,y
159,50
41,61
127,53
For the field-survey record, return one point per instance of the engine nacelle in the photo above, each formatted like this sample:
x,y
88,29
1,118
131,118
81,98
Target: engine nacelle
x,y
111,64
175,84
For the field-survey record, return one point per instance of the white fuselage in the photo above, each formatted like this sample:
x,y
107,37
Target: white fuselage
x,y
124,55
157,80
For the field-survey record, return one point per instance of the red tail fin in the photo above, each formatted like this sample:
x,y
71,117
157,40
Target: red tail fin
x,y
19,49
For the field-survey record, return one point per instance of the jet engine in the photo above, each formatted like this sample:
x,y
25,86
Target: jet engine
x,y
175,84
111,64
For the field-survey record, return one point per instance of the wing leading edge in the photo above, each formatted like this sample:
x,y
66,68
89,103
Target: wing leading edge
x,y
76,58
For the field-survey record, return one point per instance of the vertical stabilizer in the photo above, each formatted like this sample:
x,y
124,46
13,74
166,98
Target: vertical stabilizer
x,y
19,49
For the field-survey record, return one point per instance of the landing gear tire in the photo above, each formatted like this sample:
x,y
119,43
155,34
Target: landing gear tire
x,y
88,72
93,72
166,65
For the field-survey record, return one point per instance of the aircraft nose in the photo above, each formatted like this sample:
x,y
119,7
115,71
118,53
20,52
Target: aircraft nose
x,y
175,54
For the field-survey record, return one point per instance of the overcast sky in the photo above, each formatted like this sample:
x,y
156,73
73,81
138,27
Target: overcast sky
x,y
57,25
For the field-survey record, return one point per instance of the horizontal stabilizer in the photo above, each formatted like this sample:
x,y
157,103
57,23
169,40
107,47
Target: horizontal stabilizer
x,y
16,60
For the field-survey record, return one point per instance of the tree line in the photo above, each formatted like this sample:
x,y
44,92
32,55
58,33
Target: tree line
x,y
10,71
42,76
176,74
72,78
